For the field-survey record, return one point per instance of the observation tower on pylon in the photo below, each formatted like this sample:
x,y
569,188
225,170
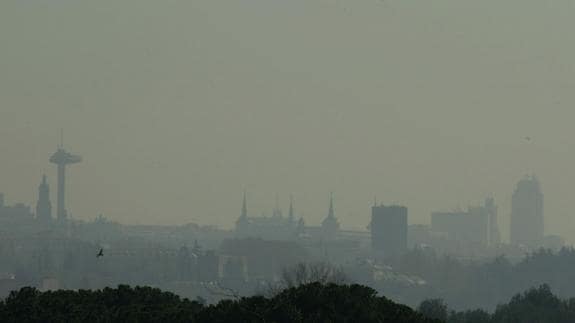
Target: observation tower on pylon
x,y
62,158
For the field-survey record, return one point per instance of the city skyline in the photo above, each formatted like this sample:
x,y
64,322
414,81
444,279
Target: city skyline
x,y
424,105
331,222
273,160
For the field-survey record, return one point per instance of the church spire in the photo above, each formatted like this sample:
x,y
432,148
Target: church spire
x,y
330,225
331,213
242,222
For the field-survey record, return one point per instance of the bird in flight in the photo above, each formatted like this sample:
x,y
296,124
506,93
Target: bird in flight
x,y
100,253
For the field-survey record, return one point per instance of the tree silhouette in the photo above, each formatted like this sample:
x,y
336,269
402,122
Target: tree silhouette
x,y
313,302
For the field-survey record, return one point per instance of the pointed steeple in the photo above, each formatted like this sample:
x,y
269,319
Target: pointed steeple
x,y
331,213
244,207
330,225
242,222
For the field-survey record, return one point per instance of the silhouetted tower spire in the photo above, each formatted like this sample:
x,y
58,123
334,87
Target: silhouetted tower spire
x,y
330,225
62,158
44,206
244,213
242,222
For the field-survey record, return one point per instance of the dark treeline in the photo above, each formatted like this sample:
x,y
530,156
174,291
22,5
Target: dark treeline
x,y
537,305
312,302
473,284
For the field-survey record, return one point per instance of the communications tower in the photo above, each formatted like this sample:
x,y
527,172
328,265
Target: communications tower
x,y
62,158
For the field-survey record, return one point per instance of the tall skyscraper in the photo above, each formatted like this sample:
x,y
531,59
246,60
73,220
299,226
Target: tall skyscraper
x,y
494,235
527,213
389,229
470,226
44,206
476,225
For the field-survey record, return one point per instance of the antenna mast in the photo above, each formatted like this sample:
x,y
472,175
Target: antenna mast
x,y
61,144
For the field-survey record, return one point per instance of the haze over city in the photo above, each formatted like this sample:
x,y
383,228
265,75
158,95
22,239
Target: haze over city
x,y
179,106
287,161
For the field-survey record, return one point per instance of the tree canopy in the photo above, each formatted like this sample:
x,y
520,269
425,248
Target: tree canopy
x,y
314,302
536,305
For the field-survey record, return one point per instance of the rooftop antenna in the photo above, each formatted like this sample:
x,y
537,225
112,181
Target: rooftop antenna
x,y
61,143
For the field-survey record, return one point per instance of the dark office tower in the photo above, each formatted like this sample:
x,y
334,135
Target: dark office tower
x,y
330,225
469,227
62,158
389,229
44,207
491,208
527,213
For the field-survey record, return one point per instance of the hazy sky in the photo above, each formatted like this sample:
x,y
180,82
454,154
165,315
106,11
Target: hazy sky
x,y
177,106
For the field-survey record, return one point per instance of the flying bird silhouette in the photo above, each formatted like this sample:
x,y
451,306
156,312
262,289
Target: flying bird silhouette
x,y
100,253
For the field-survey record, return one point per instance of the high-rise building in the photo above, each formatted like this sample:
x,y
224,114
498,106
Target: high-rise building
x,y
527,213
389,229
44,207
494,235
462,226
476,225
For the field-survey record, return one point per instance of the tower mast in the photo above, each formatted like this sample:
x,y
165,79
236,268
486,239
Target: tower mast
x,y
61,158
